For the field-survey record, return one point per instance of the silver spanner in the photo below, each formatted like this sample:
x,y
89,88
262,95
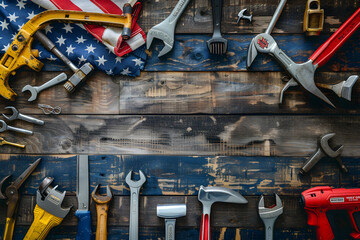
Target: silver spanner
x,y
35,90
269,215
5,127
135,187
17,115
166,29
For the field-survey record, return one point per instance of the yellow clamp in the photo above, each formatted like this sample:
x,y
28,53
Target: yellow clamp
x,y
20,53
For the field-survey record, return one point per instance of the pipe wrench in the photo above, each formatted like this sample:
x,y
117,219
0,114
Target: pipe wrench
x,y
48,212
12,196
303,73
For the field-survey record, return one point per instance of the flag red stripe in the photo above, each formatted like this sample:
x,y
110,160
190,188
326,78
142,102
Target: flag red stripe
x,y
107,6
65,5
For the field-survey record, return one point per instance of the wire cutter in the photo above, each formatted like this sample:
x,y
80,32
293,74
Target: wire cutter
x,y
12,196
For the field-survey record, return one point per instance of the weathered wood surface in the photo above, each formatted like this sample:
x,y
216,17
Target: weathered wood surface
x,y
252,135
197,18
182,176
217,233
185,93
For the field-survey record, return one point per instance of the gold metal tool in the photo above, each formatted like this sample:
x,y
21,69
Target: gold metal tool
x,y
313,18
4,142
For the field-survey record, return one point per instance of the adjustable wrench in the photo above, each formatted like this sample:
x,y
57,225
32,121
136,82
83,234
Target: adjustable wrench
x,y
135,187
35,90
20,116
166,29
303,73
269,215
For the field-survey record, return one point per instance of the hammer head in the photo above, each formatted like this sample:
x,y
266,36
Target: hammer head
x,y
209,195
171,210
79,77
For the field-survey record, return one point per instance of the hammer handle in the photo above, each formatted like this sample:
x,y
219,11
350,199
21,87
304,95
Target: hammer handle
x,y
205,227
84,225
101,228
328,49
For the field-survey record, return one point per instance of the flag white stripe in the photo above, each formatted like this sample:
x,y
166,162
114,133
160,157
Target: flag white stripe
x,y
119,3
87,6
136,41
111,35
45,4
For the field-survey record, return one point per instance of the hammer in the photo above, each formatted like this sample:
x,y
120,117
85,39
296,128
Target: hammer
x,y
80,74
170,212
209,195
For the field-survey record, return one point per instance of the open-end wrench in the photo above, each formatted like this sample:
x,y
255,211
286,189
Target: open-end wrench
x,y
135,187
324,150
166,29
17,115
303,73
269,215
5,127
35,90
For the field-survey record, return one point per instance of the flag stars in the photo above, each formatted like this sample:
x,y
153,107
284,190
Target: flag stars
x,y
12,17
80,40
3,5
21,4
48,28
118,59
4,25
138,62
81,59
101,60
109,72
67,27
70,49
20,26
51,58
31,15
61,40
125,71
90,48
5,47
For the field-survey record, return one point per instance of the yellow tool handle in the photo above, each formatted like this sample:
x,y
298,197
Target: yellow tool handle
x,y
101,228
43,223
9,228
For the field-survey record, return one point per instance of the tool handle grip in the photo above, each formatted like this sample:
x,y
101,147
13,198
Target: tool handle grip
x,y
9,228
328,49
42,224
84,225
205,227
217,13
52,82
170,229
101,228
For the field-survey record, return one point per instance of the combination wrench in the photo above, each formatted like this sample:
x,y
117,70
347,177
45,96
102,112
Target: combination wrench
x,y
20,116
269,215
135,187
4,127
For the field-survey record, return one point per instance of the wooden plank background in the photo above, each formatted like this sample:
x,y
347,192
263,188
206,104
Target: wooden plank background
x,y
194,119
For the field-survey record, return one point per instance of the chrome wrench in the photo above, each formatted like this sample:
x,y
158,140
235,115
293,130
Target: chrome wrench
x,y
20,116
165,30
135,187
269,215
4,127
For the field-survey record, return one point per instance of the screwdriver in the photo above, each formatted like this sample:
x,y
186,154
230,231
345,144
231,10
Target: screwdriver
x,y
4,142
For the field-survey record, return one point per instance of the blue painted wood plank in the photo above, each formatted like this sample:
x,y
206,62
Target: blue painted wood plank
x,y
190,53
182,175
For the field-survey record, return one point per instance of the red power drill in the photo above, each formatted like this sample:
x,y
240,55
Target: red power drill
x,y
318,200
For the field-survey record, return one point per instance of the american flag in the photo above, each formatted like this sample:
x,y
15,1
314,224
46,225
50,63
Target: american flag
x,y
72,40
